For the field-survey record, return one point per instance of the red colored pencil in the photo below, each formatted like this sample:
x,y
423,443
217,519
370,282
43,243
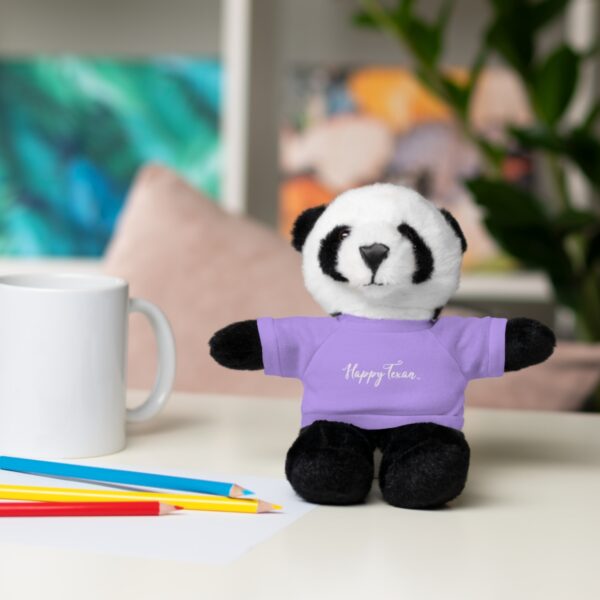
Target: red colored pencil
x,y
84,509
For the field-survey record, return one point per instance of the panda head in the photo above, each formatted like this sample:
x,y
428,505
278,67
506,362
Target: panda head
x,y
381,251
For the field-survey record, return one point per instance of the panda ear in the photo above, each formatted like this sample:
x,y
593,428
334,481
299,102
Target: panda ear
x,y
303,225
456,227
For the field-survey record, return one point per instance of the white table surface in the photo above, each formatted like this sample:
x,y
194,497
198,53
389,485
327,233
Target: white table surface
x,y
528,525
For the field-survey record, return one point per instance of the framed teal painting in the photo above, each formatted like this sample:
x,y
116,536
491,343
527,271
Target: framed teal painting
x,y
74,130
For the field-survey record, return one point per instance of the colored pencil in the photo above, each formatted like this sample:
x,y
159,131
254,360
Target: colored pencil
x,y
188,501
85,509
150,480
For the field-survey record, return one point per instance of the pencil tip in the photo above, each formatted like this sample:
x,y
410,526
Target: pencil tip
x,y
165,509
263,507
237,491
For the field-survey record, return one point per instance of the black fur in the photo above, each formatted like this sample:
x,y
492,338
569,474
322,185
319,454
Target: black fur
x,y
331,463
303,224
424,465
436,313
328,253
456,227
422,253
238,346
528,342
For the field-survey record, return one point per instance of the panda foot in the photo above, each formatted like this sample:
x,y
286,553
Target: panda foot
x,y
423,466
331,463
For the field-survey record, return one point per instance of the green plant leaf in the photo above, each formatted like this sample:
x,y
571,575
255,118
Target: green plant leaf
x,y
537,137
424,40
510,35
404,11
554,82
506,203
364,19
535,248
583,149
476,68
538,14
444,15
580,146
502,6
543,13
592,116
456,95
517,221
514,26
593,250
571,220
425,78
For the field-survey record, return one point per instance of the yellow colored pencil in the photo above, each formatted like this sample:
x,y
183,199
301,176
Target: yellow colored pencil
x,y
187,501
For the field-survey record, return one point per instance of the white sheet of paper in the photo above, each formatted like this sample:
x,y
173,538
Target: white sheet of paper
x,y
191,536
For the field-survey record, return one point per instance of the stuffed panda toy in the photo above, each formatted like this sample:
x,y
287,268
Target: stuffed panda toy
x,y
383,371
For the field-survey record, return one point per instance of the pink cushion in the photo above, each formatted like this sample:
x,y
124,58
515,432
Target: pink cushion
x,y
205,269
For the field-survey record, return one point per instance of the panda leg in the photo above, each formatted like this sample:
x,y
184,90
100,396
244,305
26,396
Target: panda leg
x,y
331,463
423,465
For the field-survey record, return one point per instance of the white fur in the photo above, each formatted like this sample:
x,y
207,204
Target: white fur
x,y
374,213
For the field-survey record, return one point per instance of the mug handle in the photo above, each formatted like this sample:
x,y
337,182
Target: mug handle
x,y
166,361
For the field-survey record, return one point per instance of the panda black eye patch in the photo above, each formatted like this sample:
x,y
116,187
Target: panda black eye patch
x,y
328,253
422,253
455,227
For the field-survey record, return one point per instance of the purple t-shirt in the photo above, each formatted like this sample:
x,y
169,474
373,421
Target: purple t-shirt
x,y
378,374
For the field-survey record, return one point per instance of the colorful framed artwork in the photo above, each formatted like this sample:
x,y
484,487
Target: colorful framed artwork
x,y
74,130
346,127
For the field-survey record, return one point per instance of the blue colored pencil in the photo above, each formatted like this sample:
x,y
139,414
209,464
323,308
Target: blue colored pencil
x,y
133,478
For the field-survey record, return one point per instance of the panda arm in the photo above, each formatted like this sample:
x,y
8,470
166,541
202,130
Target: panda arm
x,y
238,346
528,342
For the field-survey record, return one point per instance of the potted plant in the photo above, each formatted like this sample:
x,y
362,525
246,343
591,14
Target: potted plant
x,y
551,233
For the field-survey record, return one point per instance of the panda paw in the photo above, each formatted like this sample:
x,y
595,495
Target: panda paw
x,y
331,463
238,346
423,466
528,343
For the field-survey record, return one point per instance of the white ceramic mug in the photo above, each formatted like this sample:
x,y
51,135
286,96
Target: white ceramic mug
x,y
63,357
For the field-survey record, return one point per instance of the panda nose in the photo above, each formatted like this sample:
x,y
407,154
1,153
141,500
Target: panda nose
x,y
374,255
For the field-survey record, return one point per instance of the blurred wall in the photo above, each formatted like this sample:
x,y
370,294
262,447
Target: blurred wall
x,y
109,26
321,30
